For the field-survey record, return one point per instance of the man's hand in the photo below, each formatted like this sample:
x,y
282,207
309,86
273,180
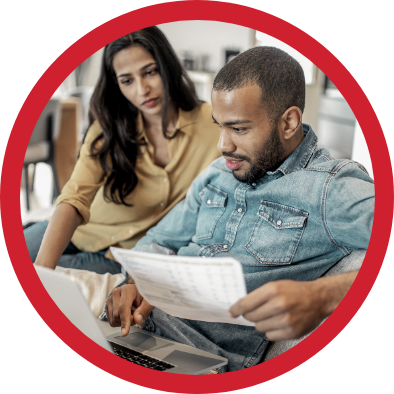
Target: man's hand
x,y
120,308
288,309
283,309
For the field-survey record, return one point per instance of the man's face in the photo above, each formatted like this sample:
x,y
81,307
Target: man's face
x,y
249,144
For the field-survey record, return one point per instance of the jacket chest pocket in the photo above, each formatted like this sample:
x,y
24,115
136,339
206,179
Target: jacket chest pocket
x,y
212,207
276,233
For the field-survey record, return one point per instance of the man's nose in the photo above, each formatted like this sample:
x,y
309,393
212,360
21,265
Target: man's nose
x,y
225,143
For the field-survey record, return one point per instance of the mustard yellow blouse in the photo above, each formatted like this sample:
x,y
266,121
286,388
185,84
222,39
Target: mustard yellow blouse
x,y
158,190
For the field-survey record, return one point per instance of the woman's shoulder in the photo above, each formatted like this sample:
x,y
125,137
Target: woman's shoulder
x,y
203,122
206,107
93,132
198,124
202,112
198,116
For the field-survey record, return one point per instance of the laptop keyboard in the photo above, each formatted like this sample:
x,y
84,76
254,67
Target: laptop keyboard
x,y
140,358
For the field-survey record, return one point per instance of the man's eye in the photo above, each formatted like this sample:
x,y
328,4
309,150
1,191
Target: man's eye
x,y
238,129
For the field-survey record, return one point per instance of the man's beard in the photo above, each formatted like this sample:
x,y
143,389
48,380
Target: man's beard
x,y
268,158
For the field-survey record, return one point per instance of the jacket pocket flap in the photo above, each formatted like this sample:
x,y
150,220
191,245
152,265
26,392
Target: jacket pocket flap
x,y
282,216
213,197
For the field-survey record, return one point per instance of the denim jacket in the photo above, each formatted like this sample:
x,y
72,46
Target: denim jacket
x,y
294,223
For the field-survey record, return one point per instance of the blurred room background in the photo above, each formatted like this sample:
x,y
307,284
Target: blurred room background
x,y
204,47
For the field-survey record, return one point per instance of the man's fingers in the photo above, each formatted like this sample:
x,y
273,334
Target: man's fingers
x,y
277,322
269,309
128,295
126,323
108,311
142,312
119,308
281,334
252,300
115,298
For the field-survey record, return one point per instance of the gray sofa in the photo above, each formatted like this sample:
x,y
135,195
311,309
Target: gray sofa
x,y
349,263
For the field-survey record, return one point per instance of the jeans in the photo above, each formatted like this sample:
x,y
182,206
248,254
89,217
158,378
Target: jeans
x,y
243,346
72,257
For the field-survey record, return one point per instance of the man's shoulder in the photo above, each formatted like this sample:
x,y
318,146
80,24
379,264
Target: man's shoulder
x,y
322,160
216,171
217,168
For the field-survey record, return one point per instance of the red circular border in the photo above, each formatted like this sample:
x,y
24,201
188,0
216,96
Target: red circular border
x,y
171,12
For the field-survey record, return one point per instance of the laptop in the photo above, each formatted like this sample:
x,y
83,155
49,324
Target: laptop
x,y
139,347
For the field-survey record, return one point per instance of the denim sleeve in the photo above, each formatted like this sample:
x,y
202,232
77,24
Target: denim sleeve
x,y
348,207
178,227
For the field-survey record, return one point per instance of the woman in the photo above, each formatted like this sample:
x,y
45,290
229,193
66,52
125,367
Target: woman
x,y
149,138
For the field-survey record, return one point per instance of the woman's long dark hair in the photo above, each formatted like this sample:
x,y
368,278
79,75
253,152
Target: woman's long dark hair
x,y
117,116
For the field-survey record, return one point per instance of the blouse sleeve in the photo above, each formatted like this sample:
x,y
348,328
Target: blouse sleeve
x,y
88,176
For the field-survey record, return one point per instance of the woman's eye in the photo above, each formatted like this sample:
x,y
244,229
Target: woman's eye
x,y
151,72
126,82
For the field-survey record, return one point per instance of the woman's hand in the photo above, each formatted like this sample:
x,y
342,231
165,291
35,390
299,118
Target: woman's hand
x,y
120,308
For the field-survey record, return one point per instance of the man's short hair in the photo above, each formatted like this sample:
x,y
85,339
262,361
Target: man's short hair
x,y
279,76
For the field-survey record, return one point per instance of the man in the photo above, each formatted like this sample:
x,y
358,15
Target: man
x,y
284,208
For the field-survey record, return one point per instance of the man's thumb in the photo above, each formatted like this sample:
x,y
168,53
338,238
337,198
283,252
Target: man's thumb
x,y
142,312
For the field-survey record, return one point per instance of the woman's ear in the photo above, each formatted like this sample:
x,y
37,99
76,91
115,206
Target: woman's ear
x,y
290,122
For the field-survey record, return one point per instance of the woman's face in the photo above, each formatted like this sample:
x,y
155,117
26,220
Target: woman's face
x,y
139,79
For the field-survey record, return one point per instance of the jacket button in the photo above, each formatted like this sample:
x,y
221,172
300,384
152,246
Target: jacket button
x,y
209,201
239,210
279,222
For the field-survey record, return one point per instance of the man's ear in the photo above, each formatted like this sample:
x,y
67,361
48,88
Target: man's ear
x,y
290,122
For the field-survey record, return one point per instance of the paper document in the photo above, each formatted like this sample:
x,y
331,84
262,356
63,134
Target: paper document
x,y
192,288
